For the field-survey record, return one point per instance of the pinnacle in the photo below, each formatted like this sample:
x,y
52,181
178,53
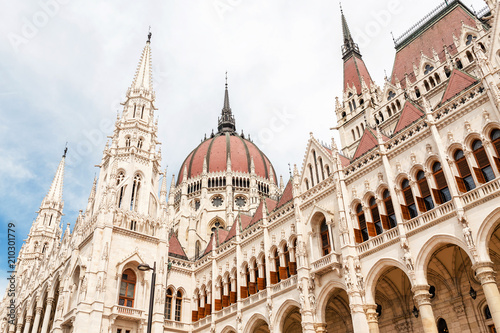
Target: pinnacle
x,y
56,188
143,77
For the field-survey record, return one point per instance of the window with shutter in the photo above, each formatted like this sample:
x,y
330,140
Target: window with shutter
x,y
442,194
325,238
389,210
464,172
425,192
357,236
409,201
375,215
483,162
362,222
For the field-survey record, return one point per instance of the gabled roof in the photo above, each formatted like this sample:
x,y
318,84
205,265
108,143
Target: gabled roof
x,y
344,160
367,142
209,246
270,205
287,194
175,248
459,81
354,70
245,221
409,115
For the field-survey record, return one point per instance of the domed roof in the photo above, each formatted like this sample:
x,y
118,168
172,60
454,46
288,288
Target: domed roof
x,y
241,152
226,142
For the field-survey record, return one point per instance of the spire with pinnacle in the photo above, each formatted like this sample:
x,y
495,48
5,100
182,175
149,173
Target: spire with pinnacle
x,y
349,46
143,79
56,188
226,121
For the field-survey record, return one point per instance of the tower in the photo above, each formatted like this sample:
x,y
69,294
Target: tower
x,y
359,96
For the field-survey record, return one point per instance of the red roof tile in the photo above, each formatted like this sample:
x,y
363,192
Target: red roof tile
x,y
245,221
232,231
270,204
241,152
367,142
209,246
258,213
354,70
433,37
175,247
344,160
458,82
408,116
287,194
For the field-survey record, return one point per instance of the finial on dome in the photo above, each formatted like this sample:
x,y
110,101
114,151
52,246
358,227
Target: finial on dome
x,y
149,35
226,121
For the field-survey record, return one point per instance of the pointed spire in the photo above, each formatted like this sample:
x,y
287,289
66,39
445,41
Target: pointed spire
x,y
226,121
349,46
163,190
56,188
143,76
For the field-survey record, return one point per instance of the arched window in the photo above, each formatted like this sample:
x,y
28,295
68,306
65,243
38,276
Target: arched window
x,y
487,312
119,180
140,142
389,113
438,79
127,141
307,184
361,234
458,62
142,112
276,259
127,288
135,108
495,140
327,170
248,281
428,68
398,104
484,173
389,220
381,116
447,71
417,92
178,306
426,85
357,131
45,246
465,182
409,210
442,194
50,220
353,104
375,216
470,58
286,255
311,174
424,202
325,238
321,167
168,304
135,192
390,95
441,326
350,106
431,81
197,249
316,166
353,135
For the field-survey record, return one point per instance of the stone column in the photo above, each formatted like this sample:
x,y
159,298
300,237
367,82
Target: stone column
x,y
372,317
485,274
422,298
19,327
46,317
36,322
27,325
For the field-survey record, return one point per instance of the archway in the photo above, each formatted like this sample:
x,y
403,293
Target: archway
x,y
259,326
452,285
292,321
396,308
338,313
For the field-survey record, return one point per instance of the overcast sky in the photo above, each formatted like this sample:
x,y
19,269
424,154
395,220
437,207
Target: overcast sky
x,y
66,66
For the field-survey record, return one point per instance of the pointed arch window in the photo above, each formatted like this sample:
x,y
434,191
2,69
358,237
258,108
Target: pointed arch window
x,y
168,304
316,166
178,306
135,192
119,180
127,288
417,92
135,108
465,182
361,234
321,168
442,193
495,140
353,135
286,255
311,174
424,202
447,71
45,246
458,62
376,221
248,282
197,249
409,209
484,173
325,238
127,141
140,142
142,112
50,220
274,275
389,220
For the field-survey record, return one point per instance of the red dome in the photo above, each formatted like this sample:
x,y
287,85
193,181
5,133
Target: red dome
x,y
241,151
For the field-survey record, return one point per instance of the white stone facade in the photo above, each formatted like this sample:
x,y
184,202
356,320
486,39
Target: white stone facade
x,y
368,243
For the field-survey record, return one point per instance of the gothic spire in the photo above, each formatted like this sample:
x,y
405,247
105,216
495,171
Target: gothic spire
x,y
56,188
143,76
226,121
349,46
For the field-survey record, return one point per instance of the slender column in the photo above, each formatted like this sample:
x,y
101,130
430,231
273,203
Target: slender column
x,y
46,317
372,317
320,327
19,327
330,234
27,325
36,322
486,274
422,298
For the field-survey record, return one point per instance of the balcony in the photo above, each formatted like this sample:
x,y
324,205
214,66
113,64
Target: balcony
x,y
326,263
481,194
378,242
175,325
127,313
285,284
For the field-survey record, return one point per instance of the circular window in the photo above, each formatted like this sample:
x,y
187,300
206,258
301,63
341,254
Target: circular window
x,y
240,201
217,201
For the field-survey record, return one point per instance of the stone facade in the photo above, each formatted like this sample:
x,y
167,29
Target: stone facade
x,y
396,231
